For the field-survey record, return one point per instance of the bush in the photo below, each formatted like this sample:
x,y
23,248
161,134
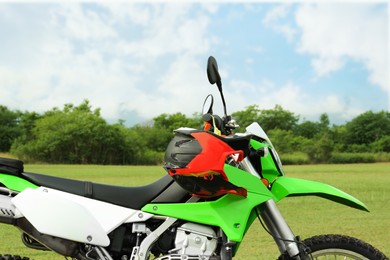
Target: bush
x,y
150,157
352,158
382,157
294,158
383,144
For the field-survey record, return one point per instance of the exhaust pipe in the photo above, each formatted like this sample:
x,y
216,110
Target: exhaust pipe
x,y
61,246
9,214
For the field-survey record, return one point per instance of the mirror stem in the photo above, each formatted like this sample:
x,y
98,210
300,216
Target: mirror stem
x,y
219,85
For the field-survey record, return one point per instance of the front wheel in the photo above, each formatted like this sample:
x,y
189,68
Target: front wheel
x,y
341,247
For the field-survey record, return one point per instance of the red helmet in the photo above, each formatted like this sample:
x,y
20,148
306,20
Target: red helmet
x,y
196,159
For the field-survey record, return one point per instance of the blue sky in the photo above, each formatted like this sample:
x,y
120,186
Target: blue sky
x,y
138,60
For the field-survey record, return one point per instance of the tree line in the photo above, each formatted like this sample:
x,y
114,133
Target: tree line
x,y
80,135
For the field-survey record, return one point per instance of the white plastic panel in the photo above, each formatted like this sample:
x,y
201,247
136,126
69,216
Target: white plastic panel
x,y
73,217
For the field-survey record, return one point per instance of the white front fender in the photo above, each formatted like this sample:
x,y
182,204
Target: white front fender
x,y
73,217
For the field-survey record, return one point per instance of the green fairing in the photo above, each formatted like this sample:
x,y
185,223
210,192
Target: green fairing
x,y
243,179
234,214
15,183
268,167
285,186
231,212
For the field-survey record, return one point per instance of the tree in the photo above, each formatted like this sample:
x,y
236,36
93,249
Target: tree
x,y
321,150
245,117
368,128
171,122
382,144
9,128
143,145
307,129
164,124
276,118
72,135
324,122
287,142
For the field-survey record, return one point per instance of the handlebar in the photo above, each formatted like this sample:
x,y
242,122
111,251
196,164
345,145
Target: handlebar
x,y
216,124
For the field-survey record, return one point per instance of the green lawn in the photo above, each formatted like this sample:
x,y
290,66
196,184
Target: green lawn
x,y
307,216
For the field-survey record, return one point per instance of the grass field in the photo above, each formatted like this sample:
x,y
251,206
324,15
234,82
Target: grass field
x,y
307,216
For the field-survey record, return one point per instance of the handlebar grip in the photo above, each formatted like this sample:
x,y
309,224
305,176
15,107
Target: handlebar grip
x,y
213,123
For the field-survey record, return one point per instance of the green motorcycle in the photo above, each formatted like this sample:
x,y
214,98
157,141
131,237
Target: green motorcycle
x,y
218,184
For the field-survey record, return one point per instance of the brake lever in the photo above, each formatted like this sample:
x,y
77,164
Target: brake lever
x,y
232,124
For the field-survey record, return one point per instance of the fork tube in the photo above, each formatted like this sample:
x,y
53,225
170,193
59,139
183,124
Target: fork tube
x,y
246,165
281,232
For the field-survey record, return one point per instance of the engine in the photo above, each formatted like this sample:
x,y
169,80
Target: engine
x,y
194,241
183,240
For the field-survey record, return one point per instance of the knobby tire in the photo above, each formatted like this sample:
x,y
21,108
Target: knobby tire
x,y
323,246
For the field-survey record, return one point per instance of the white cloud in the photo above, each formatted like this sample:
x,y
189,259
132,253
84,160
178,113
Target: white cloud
x,y
276,13
83,24
210,7
292,97
335,32
114,55
276,18
179,89
150,58
170,31
325,65
120,13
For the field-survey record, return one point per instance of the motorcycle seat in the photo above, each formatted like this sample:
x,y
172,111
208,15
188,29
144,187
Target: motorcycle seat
x,y
129,197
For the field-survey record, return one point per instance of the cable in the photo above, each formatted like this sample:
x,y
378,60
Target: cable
x,y
279,238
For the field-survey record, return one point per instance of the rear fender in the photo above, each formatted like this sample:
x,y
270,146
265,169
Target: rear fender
x,y
285,187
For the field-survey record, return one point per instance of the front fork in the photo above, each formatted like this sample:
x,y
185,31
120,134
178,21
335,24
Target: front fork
x,y
276,224
281,232
278,228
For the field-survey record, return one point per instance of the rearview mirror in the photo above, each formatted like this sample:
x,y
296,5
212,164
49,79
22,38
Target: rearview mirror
x,y
213,73
215,78
208,105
